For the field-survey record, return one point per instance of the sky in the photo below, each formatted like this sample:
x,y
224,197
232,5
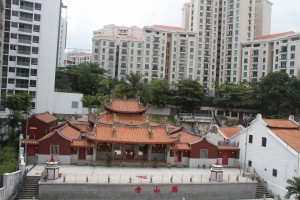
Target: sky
x,y
86,16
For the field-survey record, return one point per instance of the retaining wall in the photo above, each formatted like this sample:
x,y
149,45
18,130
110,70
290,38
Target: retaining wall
x,y
209,191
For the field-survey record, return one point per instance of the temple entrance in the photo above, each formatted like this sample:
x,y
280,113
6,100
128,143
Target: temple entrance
x,y
130,152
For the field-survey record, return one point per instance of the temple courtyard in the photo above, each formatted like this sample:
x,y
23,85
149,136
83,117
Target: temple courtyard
x,y
125,175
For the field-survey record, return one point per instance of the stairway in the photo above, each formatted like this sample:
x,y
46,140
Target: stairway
x,y
30,188
261,191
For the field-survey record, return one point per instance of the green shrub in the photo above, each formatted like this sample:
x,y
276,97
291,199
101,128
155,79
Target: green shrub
x,y
8,161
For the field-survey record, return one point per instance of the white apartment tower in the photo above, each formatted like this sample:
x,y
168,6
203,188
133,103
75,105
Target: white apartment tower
x,y
62,37
271,53
222,25
156,52
2,17
30,50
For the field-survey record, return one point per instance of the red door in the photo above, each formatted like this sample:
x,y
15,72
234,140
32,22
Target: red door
x,y
82,153
225,158
178,153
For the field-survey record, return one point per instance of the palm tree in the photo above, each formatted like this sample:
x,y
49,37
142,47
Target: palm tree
x,y
135,84
293,188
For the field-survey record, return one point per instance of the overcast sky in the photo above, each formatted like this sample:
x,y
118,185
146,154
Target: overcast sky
x,y
86,16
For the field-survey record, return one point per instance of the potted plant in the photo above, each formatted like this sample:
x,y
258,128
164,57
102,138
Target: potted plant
x,y
108,160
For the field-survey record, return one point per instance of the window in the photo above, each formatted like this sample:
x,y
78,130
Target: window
x,y
16,2
11,81
34,61
15,13
14,36
35,50
54,149
74,104
35,39
249,163
37,17
12,69
33,72
263,141
14,24
32,83
250,138
37,6
36,28
203,153
274,172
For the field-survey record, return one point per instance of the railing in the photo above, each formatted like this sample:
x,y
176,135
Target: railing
x,y
230,144
20,185
24,41
147,178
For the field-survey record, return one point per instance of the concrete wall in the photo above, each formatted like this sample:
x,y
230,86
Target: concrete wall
x,y
2,193
194,162
63,103
10,183
212,191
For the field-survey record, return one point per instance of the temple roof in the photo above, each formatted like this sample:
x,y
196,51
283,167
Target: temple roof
x,y
125,106
46,117
140,134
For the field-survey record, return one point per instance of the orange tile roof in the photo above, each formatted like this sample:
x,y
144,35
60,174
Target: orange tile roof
x,y
228,148
81,143
69,132
179,146
169,28
124,119
82,55
290,136
47,136
30,142
132,135
186,137
281,123
264,37
229,132
46,117
128,106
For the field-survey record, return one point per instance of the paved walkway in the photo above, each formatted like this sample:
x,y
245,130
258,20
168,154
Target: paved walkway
x,y
100,174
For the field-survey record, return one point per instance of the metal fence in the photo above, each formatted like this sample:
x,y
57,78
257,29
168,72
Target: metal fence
x,y
148,178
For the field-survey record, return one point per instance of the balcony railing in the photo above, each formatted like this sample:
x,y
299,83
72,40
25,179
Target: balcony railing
x,y
24,41
26,19
26,7
23,63
25,30
24,52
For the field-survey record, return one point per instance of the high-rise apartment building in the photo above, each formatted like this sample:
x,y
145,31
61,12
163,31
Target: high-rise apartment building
x,y
30,50
271,53
156,52
62,37
2,17
222,25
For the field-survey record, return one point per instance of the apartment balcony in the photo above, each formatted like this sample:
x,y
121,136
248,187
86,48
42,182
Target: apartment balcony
x,y
23,63
25,7
25,30
27,19
24,52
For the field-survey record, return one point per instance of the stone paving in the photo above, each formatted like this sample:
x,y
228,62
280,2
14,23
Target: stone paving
x,y
123,175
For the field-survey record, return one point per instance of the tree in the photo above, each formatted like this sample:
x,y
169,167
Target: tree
x,y
94,102
135,84
156,93
293,188
84,78
188,94
234,95
121,90
279,94
18,104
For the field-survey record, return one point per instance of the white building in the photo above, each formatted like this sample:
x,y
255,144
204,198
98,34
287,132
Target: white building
x,y
79,58
222,25
223,135
62,37
271,148
271,53
68,103
30,50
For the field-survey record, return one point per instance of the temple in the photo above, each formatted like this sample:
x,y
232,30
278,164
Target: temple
x,y
123,134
